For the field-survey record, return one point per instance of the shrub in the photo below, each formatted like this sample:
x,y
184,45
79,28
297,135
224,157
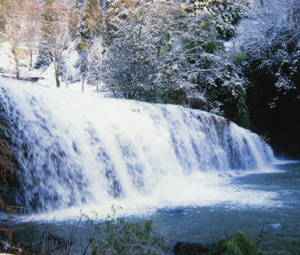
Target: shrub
x,y
239,58
117,235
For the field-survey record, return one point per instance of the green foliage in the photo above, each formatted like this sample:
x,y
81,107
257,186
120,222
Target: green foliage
x,y
223,85
49,18
2,22
117,235
91,24
243,112
225,14
90,4
239,243
261,237
238,58
200,35
49,14
210,47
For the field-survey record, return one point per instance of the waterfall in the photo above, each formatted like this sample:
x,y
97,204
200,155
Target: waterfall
x,y
75,149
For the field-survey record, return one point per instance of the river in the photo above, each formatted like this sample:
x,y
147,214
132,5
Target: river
x,y
279,224
274,226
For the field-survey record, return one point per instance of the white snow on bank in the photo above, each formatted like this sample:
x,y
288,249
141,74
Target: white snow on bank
x,y
46,75
6,58
7,246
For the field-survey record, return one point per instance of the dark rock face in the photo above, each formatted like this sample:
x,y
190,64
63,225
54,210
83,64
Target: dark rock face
x,y
273,93
188,96
9,180
185,248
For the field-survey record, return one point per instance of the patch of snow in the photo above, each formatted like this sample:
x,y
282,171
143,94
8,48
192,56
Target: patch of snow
x,y
7,246
46,75
6,58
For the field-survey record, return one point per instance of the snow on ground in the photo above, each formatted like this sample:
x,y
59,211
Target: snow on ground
x,y
46,75
6,58
7,246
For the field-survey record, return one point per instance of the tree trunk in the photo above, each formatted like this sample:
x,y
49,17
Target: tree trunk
x,y
84,77
14,51
56,76
30,58
57,81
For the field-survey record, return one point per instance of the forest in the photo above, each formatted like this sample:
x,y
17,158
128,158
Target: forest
x,y
238,59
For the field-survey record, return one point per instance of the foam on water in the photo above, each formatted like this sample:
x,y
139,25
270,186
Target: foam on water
x,y
77,151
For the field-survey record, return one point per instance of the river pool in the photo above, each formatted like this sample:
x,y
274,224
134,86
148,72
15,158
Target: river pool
x,y
278,222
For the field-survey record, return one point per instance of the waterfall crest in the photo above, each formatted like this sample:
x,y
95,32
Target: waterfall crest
x,y
74,149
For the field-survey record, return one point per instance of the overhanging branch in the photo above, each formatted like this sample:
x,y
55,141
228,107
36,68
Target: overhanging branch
x,y
206,70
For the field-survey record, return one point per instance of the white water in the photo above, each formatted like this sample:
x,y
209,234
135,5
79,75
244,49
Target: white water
x,y
77,151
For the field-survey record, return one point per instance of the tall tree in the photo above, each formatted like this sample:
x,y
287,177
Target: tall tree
x,y
137,64
32,10
13,28
56,33
91,26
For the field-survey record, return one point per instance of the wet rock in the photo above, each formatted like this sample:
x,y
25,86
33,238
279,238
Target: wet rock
x,y
185,248
239,243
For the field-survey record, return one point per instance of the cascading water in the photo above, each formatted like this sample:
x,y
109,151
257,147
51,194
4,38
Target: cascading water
x,y
74,149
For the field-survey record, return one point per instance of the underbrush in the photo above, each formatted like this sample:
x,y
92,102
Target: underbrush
x,y
114,235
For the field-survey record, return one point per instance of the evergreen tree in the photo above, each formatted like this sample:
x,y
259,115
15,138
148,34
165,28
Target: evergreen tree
x,y
91,25
95,63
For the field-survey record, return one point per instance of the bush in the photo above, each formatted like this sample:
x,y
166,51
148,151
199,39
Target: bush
x,y
117,235
238,243
238,58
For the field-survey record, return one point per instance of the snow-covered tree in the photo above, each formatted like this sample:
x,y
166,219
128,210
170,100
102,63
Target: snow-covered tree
x,y
94,63
20,21
269,42
91,25
32,10
225,13
197,47
13,29
56,33
138,62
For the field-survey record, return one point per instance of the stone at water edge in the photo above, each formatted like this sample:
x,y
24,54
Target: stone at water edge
x,y
238,243
185,248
